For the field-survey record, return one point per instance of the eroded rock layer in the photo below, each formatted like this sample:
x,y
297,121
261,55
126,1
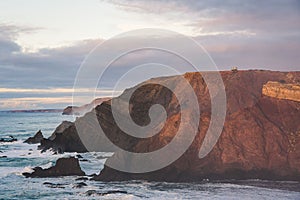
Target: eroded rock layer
x,y
282,90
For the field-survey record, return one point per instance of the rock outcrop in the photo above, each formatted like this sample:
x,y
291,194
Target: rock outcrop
x,y
282,90
63,167
63,139
260,137
80,110
37,138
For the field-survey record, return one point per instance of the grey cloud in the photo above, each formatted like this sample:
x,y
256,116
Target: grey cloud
x,y
55,67
251,33
10,31
7,47
264,52
230,15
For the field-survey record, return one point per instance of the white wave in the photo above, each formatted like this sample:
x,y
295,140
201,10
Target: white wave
x,y
10,143
27,169
5,171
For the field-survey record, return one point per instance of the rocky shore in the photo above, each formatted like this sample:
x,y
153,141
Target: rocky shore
x,y
260,137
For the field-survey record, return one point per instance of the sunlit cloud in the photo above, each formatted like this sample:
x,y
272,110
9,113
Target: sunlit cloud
x,y
49,98
33,102
54,90
42,102
40,54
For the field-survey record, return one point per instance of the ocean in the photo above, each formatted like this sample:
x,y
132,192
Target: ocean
x,y
17,157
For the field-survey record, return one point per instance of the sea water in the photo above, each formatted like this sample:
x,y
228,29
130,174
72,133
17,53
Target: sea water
x,y
17,157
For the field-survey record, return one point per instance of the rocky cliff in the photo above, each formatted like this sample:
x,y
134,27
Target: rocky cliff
x,y
260,137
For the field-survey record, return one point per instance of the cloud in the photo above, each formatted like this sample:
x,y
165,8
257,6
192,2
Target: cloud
x,y
51,90
211,17
11,31
48,67
35,102
248,34
250,53
7,47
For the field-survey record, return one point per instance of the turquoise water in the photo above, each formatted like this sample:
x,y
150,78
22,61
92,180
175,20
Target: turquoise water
x,y
22,157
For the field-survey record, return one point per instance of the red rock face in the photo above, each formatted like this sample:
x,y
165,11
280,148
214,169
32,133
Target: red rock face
x,y
260,138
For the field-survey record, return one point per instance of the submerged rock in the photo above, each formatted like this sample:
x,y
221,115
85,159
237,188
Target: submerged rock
x,y
81,179
54,185
94,192
63,167
79,185
90,192
8,139
37,138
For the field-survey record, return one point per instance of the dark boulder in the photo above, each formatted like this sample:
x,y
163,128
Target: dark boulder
x,y
63,139
81,179
79,185
63,167
95,193
54,185
37,138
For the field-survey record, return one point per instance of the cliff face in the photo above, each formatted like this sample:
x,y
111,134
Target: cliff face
x,y
282,90
260,138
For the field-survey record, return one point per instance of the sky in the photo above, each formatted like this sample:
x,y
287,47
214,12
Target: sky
x,y
43,43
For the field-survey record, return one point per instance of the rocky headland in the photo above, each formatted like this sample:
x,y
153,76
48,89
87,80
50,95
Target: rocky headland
x,y
260,137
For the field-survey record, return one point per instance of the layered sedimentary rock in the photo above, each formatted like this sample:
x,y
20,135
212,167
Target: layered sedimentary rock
x,y
282,90
63,167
